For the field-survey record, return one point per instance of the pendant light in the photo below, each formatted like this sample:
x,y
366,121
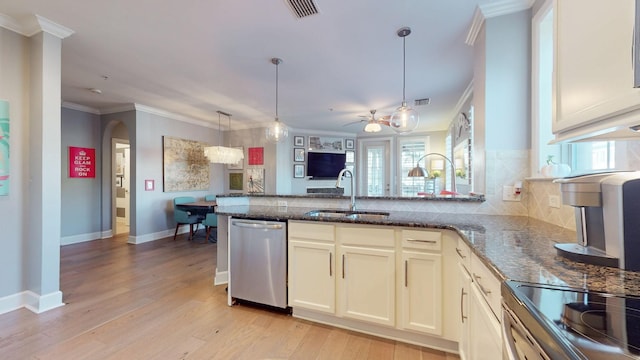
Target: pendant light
x,y
404,119
222,154
276,131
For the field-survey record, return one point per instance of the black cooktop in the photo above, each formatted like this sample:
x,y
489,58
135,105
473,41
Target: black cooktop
x,y
583,324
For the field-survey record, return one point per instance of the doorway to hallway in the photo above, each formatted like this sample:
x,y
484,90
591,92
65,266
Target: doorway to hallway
x,y
121,176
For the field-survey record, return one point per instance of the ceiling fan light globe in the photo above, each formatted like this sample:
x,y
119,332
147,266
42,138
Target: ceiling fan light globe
x,y
372,127
404,120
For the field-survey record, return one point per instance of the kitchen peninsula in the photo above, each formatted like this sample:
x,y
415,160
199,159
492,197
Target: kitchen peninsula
x,y
514,247
432,238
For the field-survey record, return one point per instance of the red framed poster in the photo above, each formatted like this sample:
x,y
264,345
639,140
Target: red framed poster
x,y
256,156
82,162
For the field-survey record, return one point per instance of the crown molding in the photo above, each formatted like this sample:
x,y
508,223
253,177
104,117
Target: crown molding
x,y
490,10
172,116
466,95
52,28
78,107
34,24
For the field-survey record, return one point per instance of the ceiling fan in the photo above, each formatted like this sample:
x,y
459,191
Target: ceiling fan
x,y
373,124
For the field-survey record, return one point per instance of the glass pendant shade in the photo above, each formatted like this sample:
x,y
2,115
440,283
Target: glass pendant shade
x,y
372,127
276,131
404,119
223,154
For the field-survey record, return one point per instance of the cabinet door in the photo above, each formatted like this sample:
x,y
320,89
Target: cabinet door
x,y
312,275
485,342
464,280
593,62
422,292
366,284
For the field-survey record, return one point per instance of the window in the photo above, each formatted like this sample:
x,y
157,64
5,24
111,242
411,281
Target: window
x,y
411,150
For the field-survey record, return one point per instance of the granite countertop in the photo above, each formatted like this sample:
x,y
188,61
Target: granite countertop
x,y
513,247
320,195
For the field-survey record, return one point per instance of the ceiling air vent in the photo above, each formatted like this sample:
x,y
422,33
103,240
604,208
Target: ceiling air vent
x,y
420,102
302,8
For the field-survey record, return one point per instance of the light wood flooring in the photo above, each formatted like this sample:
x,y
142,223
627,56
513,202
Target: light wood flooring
x,y
157,301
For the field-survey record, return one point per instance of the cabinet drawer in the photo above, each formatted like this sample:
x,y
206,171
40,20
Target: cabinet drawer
x,y
365,236
488,285
464,253
311,231
422,239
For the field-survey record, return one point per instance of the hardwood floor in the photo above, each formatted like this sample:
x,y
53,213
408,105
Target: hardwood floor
x,y
157,301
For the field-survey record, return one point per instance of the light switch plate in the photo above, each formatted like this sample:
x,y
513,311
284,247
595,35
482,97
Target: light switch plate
x,y
509,194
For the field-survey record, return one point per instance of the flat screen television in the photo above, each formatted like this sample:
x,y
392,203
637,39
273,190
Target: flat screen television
x,y
324,165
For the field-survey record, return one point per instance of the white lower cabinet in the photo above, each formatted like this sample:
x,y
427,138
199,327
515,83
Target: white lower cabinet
x,y
311,266
366,286
395,282
485,341
366,281
464,280
421,292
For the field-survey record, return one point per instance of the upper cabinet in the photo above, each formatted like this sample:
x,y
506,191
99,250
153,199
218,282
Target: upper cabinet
x,y
594,92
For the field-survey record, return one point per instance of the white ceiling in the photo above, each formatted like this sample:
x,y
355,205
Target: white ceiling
x,y
194,57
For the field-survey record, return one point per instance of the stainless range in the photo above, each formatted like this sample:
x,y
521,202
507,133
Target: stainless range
x,y
548,322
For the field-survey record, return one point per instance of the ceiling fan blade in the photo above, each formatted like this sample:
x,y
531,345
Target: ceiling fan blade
x,y
355,122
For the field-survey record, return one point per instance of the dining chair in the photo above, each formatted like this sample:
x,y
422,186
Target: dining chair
x,y
183,217
211,220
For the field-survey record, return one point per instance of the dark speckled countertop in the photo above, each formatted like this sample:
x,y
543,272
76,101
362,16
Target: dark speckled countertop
x,y
514,247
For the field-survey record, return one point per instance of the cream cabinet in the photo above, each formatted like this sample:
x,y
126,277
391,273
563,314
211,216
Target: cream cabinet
x,y
366,282
480,305
485,342
593,72
311,266
421,287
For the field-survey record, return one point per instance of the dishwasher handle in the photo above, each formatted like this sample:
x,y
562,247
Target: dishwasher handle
x,y
257,225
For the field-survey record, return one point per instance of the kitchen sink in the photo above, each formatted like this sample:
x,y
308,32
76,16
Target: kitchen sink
x,y
356,215
368,216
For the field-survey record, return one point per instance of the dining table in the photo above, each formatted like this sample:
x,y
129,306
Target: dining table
x,y
200,208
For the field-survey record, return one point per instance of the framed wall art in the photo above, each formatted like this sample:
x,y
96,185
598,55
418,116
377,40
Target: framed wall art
x,y
323,143
298,171
235,181
256,156
4,148
350,156
185,168
298,140
255,180
349,144
298,154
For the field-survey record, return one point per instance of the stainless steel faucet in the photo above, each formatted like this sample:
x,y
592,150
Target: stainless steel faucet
x,y
352,207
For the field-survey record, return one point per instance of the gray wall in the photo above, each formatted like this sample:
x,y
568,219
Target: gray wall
x,y
508,82
273,169
80,196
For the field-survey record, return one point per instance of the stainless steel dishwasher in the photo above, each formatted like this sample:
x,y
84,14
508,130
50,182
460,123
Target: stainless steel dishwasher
x,y
258,261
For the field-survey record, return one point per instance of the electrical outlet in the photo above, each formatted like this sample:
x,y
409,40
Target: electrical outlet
x,y
509,194
554,201
282,203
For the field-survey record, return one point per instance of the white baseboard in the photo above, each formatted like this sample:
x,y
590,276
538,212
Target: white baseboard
x,y
32,301
107,234
222,277
156,236
74,239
